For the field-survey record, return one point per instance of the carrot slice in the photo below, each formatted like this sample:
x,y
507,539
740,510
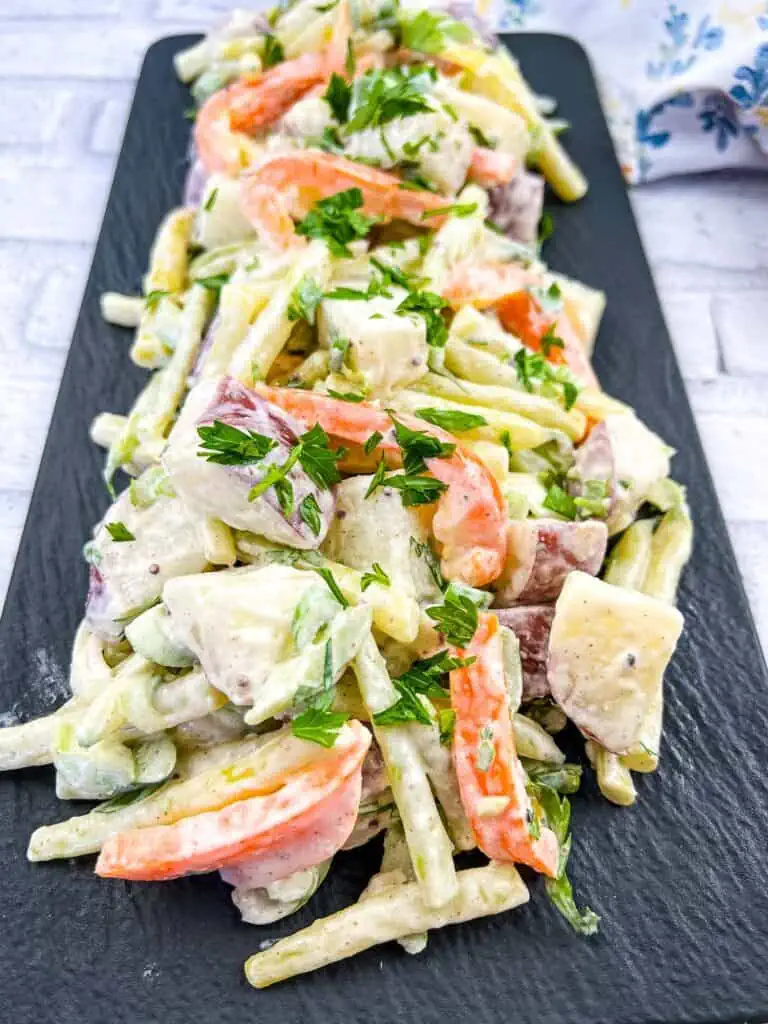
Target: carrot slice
x,y
485,758
206,842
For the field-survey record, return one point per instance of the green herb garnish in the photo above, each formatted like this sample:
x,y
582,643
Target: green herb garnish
x,y
452,420
338,221
119,532
309,512
376,575
304,300
230,446
454,210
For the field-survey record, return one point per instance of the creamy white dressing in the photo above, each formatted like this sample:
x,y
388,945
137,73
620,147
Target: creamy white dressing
x,y
237,622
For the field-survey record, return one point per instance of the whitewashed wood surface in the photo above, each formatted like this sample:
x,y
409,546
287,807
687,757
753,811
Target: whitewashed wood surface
x,y
67,69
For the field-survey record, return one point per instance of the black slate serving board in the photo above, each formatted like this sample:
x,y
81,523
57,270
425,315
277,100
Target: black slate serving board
x,y
679,879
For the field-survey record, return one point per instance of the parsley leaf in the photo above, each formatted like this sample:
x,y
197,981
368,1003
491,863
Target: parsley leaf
x,y
151,299
319,726
558,500
211,200
304,300
446,721
425,676
455,210
550,340
214,283
407,708
318,459
415,489
338,96
119,532
452,420
424,550
273,52
457,617
480,137
546,228
331,583
376,575
309,511
553,381
384,96
431,33
417,446
276,477
230,446
427,305
372,442
337,221
346,396
378,478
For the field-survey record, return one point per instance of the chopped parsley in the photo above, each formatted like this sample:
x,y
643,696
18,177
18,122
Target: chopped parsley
x,y
309,512
380,97
211,200
415,489
317,459
330,582
457,616
324,8
446,721
152,299
304,300
554,381
338,354
372,442
427,305
430,32
546,228
338,96
558,500
319,726
273,52
550,340
452,420
376,575
230,446
425,676
346,396
424,550
454,210
557,811
119,532
350,61
338,221
417,446
409,707
480,137
378,478
214,283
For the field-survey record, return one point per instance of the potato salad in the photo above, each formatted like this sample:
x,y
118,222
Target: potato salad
x,y
379,543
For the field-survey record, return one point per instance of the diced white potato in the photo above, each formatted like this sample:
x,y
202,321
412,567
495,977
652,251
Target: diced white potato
x,y
220,219
128,575
386,351
608,650
380,529
308,118
237,622
640,459
502,126
443,160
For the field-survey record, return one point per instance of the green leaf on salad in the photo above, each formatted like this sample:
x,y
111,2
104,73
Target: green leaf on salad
x,y
454,210
430,32
273,52
230,446
375,575
309,512
457,616
453,420
337,220
372,442
319,726
304,300
330,582
119,532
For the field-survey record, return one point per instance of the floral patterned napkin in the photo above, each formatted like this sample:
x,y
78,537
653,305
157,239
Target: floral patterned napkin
x,y
684,85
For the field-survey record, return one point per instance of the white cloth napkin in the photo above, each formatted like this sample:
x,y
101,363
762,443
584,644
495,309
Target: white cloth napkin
x,y
684,85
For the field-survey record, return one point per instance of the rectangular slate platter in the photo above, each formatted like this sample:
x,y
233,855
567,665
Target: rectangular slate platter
x,y
679,879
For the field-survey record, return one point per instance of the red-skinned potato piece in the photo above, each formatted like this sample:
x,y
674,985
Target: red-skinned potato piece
x,y
531,625
541,553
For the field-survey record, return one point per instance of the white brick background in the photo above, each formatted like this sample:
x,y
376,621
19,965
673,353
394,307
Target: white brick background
x,y
66,76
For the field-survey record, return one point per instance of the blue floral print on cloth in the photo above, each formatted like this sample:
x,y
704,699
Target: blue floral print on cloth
x,y
684,85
